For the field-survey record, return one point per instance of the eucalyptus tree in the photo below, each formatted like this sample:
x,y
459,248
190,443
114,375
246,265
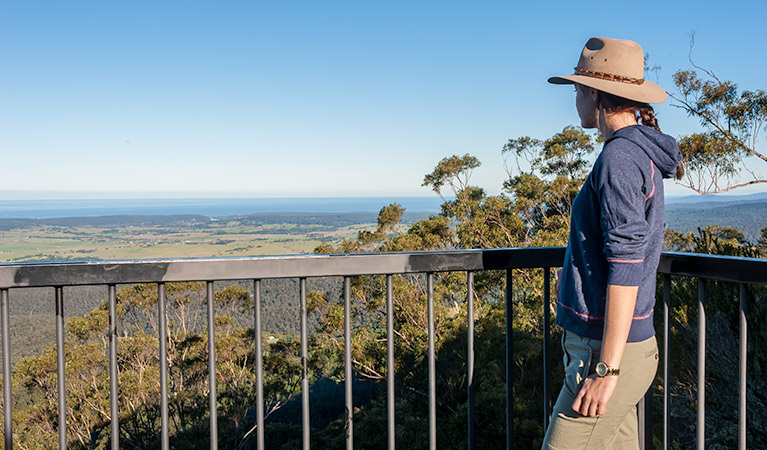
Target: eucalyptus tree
x,y
732,120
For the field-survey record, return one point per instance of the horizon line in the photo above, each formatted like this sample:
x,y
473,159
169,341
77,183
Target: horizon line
x,y
44,195
11,195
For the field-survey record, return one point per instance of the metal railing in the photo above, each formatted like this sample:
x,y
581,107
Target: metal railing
x,y
109,274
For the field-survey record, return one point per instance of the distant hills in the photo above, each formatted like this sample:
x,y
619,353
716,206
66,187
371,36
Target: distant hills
x,y
340,219
747,213
684,214
696,200
209,207
105,221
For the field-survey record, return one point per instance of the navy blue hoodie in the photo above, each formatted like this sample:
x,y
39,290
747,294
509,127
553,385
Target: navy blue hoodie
x,y
616,231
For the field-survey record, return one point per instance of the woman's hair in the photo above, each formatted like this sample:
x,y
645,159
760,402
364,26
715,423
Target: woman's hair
x,y
643,111
613,103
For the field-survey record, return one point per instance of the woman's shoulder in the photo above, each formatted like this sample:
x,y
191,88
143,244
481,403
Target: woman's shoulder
x,y
626,139
624,160
621,151
639,142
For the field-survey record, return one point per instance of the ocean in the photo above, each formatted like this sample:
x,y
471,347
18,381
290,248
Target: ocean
x,y
211,207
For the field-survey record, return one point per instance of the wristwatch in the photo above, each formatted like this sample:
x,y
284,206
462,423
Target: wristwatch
x,y
604,370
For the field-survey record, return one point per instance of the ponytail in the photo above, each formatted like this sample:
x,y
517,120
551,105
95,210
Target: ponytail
x,y
679,171
647,114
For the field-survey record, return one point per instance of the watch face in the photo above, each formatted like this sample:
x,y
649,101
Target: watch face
x,y
601,369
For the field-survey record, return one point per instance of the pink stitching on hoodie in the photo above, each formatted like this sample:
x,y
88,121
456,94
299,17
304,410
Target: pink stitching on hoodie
x,y
586,316
652,175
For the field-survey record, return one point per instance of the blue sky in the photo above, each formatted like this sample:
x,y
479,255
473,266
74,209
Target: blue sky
x,y
315,98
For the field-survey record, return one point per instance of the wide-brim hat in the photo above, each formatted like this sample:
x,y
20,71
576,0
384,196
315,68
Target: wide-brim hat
x,y
615,66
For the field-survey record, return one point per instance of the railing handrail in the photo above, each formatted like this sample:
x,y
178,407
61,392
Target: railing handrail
x,y
269,267
714,267
72,273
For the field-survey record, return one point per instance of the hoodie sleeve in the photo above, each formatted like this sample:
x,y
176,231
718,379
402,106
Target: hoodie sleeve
x,y
625,229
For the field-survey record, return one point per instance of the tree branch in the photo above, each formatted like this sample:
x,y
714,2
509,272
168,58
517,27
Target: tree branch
x,y
715,123
719,191
689,57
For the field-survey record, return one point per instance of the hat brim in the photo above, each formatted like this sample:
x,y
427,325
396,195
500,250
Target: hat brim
x,y
647,92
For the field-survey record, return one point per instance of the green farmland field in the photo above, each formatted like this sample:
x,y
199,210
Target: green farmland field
x,y
181,240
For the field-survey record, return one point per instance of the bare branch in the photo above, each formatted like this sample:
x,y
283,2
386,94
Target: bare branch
x,y
719,191
689,57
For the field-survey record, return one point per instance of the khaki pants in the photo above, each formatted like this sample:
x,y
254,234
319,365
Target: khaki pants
x,y
617,429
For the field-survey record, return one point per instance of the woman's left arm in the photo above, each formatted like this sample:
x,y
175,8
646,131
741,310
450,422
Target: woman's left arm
x,y
596,391
619,181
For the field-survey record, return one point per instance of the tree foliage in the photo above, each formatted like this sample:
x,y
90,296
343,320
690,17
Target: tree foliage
x,y
732,121
543,191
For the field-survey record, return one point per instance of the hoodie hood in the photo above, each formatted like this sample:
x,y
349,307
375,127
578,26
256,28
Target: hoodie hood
x,y
661,148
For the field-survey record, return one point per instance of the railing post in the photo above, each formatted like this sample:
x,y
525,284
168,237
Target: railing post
x,y
60,361
644,421
113,382
666,360
305,423
259,367
546,344
701,435
432,363
743,366
161,318
212,398
470,354
7,403
509,363
390,360
349,426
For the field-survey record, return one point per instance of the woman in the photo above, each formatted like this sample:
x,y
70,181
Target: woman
x,y
607,284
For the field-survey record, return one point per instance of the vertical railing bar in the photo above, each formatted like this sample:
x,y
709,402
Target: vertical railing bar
x,y
7,402
212,399
666,360
546,356
348,364
259,368
432,362
305,424
743,365
163,337
509,344
113,392
60,356
640,409
644,420
390,360
470,353
701,431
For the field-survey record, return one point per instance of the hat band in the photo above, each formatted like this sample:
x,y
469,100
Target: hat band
x,y
608,76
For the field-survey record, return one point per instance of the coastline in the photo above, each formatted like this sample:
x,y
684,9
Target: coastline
x,y
210,207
